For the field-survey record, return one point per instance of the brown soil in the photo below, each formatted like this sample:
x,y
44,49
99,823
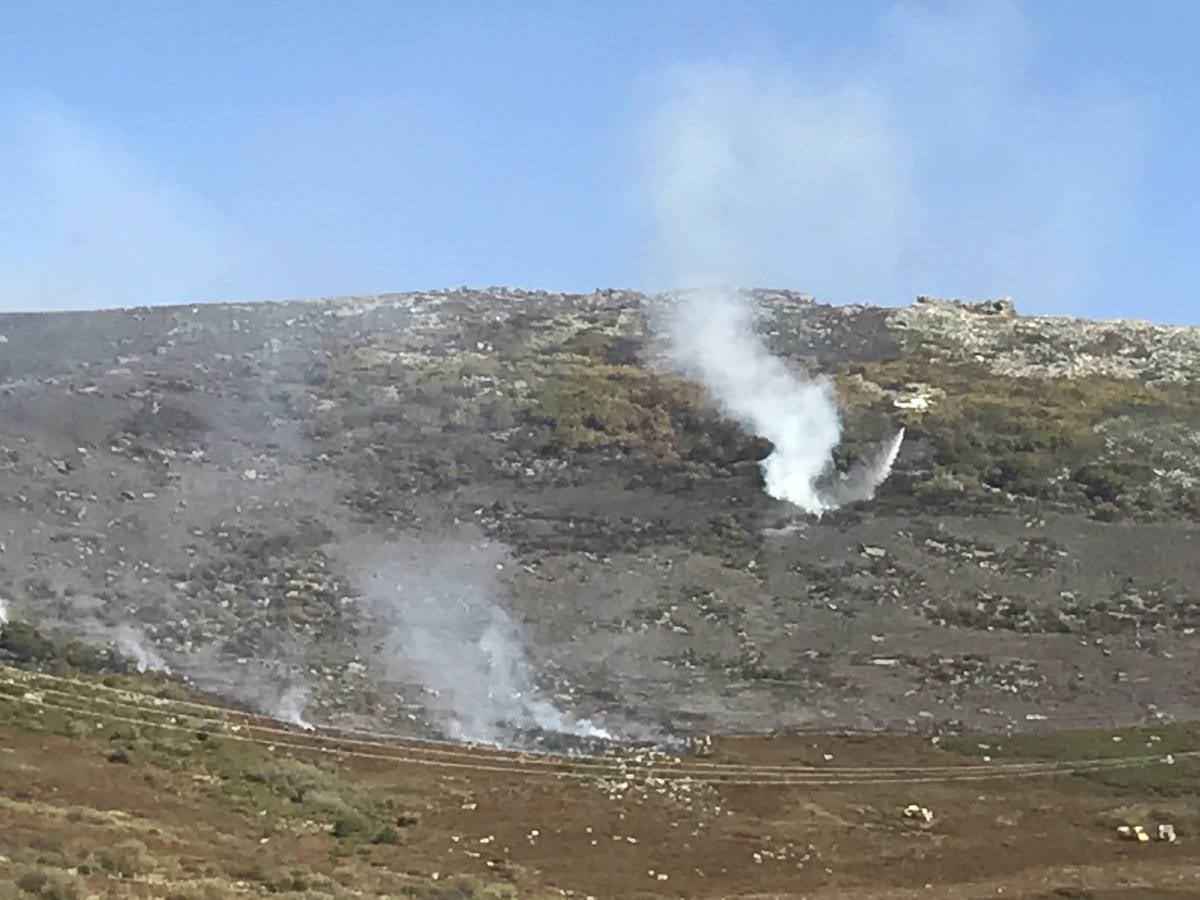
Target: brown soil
x,y
1019,836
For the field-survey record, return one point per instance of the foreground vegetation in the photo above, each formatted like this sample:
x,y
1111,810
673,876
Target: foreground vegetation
x,y
354,837
100,798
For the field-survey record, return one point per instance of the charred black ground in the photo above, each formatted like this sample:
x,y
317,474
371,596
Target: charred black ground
x,y
207,474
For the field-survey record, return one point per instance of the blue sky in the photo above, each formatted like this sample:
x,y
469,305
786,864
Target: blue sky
x,y
169,152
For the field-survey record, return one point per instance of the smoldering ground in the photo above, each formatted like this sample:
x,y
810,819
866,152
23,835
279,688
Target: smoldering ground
x,y
432,613
428,615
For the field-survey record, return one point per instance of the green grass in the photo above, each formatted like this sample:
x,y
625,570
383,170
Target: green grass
x,y
592,404
1182,778
1022,435
1048,439
250,776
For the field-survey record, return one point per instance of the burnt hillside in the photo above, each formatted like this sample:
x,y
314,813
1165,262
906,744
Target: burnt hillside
x,y
215,484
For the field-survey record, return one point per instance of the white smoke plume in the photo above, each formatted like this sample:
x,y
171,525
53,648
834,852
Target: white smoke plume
x,y
273,684
862,481
3,611
860,182
712,336
291,707
438,622
133,643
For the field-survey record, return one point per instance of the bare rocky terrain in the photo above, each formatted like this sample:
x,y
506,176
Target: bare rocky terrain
x,y
220,484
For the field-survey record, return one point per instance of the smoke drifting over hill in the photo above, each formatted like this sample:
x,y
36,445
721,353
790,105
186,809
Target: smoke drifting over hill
x,y
931,163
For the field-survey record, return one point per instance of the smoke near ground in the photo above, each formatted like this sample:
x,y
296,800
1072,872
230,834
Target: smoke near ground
x,y
291,705
712,334
133,643
864,479
434,616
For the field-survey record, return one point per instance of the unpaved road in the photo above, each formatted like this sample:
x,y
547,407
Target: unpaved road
x,y
542,834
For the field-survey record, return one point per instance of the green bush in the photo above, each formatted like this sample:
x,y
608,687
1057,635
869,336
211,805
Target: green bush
x,y
126,859
1102,484
451,889
295,878
386,835
350,824
25,644
208,889
49,885
33,881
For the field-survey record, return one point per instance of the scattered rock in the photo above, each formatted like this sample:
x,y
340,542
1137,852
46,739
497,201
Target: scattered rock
x,y
1133,833
918,813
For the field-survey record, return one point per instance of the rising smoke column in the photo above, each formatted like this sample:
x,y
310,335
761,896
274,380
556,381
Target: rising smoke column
x,y
132,642
712,335
739,176
291,705
434,610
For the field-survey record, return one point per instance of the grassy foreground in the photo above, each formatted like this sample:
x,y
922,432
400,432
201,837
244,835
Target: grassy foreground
x,y
123,785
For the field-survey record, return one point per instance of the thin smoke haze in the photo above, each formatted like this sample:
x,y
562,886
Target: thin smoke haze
x,y
291,707
132,642
930,163
90,224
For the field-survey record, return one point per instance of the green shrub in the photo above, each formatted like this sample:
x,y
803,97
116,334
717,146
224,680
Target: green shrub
x,y
25,644
386,835
208,889
33,881
1107,512
349,824
126,859
451,889
1102,484
49,885
294,878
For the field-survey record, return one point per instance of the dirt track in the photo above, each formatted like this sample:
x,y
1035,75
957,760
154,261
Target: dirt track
x,y
1021,837
601,832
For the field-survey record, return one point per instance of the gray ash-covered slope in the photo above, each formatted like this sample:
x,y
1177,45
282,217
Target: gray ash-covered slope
x,y
217,482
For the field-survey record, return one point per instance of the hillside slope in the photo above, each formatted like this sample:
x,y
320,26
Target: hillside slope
x,y
237,489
